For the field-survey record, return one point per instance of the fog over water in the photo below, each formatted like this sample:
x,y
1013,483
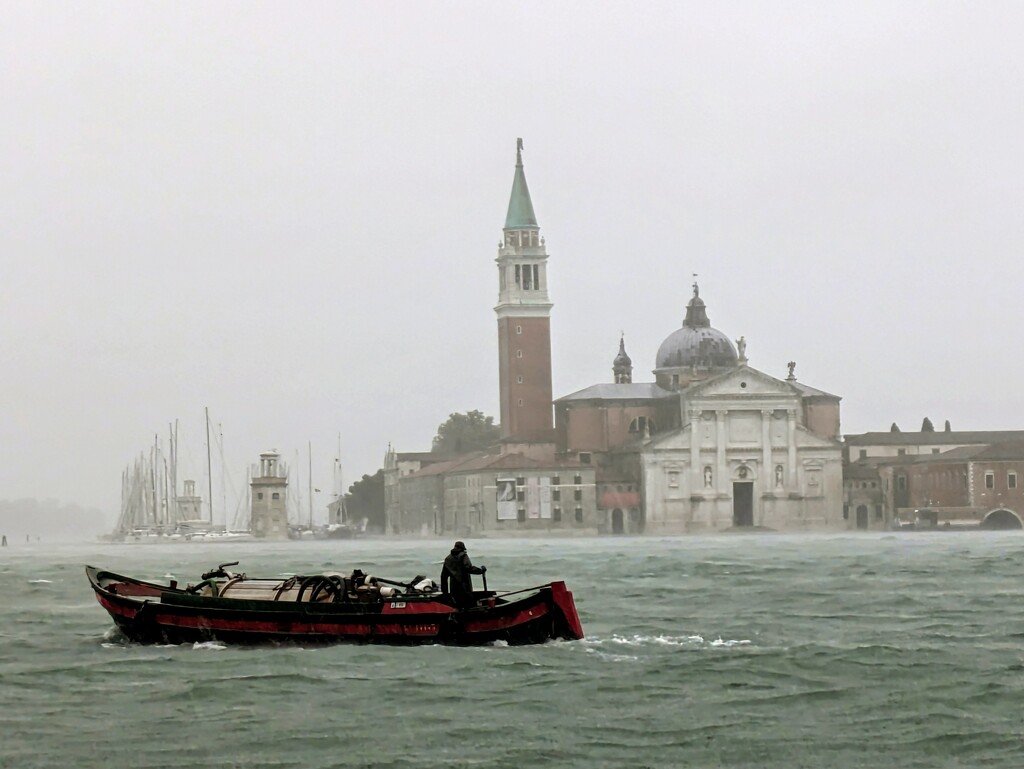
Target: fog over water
x,y
290,215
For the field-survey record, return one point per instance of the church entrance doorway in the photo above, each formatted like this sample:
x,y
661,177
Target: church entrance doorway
x,y
617,527
743,504
862,516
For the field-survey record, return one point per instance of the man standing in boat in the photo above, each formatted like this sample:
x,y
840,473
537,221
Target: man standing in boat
x,y
456,575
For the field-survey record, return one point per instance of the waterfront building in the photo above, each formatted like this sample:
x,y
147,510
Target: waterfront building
x,y
711,444
936,479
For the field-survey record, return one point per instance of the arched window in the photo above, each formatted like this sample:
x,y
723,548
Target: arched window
x,y
640,424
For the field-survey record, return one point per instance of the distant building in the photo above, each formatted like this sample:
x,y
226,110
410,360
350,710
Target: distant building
x,y
269,492
864,497
939,479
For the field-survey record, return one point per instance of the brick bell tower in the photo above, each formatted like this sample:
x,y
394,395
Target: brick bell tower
x,y
524,319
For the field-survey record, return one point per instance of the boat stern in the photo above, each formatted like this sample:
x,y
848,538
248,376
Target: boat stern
x,y
569,627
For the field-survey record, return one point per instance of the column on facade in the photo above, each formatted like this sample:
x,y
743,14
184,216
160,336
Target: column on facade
x,y
721,473
767,471
791,444
696,470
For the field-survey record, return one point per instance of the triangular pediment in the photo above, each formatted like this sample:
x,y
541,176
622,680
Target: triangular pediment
x,y
740,382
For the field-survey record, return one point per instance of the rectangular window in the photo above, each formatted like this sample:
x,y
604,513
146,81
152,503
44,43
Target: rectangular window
x,y
901,483
577,479
990,480
519,380
585,457
527,274
579,514
556,480
1011,480
519,276
863,453
521,513
556,513
673,479
520,496
519,329
577,494
259,495
275,495
901,452
536,277
556,495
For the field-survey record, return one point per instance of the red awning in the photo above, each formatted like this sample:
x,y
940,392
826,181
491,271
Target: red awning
x,y
623,499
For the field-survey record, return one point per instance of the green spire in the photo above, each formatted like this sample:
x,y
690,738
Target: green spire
x,y
520,207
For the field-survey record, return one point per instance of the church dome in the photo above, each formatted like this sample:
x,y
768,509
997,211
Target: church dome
x,y
697,344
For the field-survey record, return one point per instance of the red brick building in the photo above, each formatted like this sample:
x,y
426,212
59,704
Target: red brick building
x,y
966,486
936,479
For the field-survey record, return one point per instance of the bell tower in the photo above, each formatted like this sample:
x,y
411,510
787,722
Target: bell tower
x,y
524,318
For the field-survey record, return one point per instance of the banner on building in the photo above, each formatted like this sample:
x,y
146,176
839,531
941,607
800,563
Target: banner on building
x,y
545,497
506,495
533,497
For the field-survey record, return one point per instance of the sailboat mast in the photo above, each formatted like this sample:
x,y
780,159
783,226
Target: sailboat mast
x,y
311,485
209,473
174,471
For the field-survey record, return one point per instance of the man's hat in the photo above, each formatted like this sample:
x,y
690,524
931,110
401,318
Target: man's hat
x,y
460,545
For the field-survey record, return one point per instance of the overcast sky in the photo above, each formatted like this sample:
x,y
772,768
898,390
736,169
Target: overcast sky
x,y
289,213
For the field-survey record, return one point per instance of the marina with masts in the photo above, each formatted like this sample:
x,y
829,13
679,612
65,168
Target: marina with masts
x,y
159,505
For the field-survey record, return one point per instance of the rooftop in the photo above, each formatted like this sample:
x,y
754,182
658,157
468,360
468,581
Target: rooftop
x,y
625,392
934,438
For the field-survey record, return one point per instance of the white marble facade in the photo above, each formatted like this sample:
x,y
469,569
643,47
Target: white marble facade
x,y
743,459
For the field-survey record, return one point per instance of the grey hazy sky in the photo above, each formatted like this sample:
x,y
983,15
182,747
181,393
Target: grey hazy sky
x,y
289,213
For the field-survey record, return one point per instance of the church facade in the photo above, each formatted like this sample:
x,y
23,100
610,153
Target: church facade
x,y
747,456
712,444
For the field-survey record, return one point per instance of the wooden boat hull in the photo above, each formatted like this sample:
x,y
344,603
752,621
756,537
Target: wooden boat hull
x,y
152,613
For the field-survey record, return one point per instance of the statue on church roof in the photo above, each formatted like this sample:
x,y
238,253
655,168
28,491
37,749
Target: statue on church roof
x,y
792,370
741,348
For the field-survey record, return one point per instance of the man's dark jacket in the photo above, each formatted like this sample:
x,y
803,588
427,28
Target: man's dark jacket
x,y
456,576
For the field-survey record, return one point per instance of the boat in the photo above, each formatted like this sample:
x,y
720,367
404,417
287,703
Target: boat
x,y
330,608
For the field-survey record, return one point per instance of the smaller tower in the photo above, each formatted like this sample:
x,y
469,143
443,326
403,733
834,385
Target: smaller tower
x,y
622,366
269,485
190,506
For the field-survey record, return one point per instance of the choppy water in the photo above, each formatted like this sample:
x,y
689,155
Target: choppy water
x,y
902,650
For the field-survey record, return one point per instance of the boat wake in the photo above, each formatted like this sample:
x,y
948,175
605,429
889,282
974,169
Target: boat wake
x,y
661,640
209,646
